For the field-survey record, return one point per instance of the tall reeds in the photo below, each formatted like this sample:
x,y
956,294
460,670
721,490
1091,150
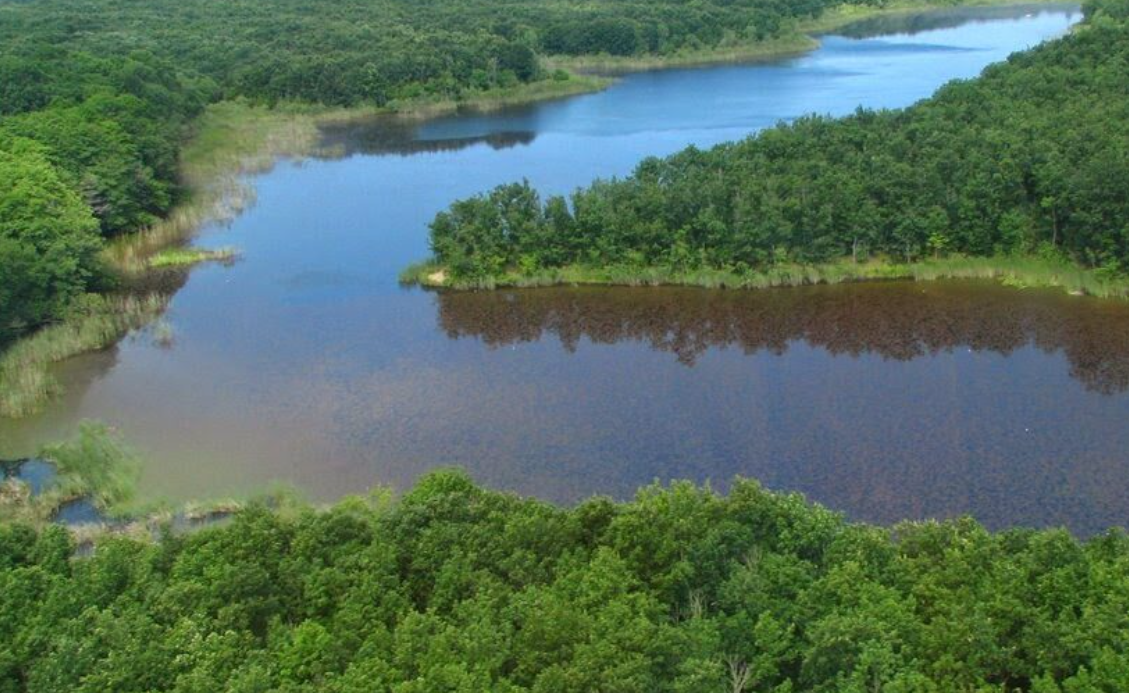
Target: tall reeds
x,y
1017,271
233,140
26,381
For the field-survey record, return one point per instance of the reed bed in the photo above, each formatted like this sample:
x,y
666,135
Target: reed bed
x,y
26,381
233,140
186,257
770,49
1016,271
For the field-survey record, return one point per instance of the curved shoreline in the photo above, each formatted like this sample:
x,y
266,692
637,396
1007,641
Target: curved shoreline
x,y
235,139
803,38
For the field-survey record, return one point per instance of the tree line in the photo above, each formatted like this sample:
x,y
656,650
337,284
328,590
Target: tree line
x,y
359,51
1031,157
456,588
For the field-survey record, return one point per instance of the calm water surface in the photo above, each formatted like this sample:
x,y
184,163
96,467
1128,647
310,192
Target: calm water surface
x,y
307,363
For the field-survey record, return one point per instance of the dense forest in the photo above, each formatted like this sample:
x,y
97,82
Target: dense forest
x,y
1030,158
88,150
455,588
96,96
355,51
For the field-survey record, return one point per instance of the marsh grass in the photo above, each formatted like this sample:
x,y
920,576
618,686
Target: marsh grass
x,y
186,257
784,46
420,273
95,463
1015,271
233,139
26,381
97,466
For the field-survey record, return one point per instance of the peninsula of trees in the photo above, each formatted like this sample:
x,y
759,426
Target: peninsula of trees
x,y
1030,159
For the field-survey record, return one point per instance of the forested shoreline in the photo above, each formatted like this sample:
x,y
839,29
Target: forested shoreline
x,y
1030,160
457,588
97,97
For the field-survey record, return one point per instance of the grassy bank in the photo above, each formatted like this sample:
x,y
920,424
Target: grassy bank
x,y
26,382
1021,272
792,44
232,140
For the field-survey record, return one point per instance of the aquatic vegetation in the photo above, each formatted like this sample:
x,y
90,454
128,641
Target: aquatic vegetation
x,y
94,472
26,382
231,140
163,333
88,484
95,463
186,257
1016,271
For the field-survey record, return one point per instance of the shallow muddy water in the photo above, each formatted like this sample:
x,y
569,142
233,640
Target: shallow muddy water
x,y
306,363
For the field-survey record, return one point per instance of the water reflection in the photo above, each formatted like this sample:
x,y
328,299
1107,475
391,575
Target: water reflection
x,y
918,22
899,321
386,135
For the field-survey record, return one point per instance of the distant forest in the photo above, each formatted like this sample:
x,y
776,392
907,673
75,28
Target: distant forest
x,y
1030,158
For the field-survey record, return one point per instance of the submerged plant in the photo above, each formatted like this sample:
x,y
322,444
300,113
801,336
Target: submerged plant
x,y
95,463
183,257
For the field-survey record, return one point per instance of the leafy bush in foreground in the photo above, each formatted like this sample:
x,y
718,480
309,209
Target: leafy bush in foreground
x,y
455,588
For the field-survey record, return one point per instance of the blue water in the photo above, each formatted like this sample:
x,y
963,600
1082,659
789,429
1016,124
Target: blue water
x,y
307,363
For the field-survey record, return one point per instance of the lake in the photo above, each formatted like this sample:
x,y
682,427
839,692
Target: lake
x,y
306,363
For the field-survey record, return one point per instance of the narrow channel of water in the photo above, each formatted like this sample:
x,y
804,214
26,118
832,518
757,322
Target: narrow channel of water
x,y
305,362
